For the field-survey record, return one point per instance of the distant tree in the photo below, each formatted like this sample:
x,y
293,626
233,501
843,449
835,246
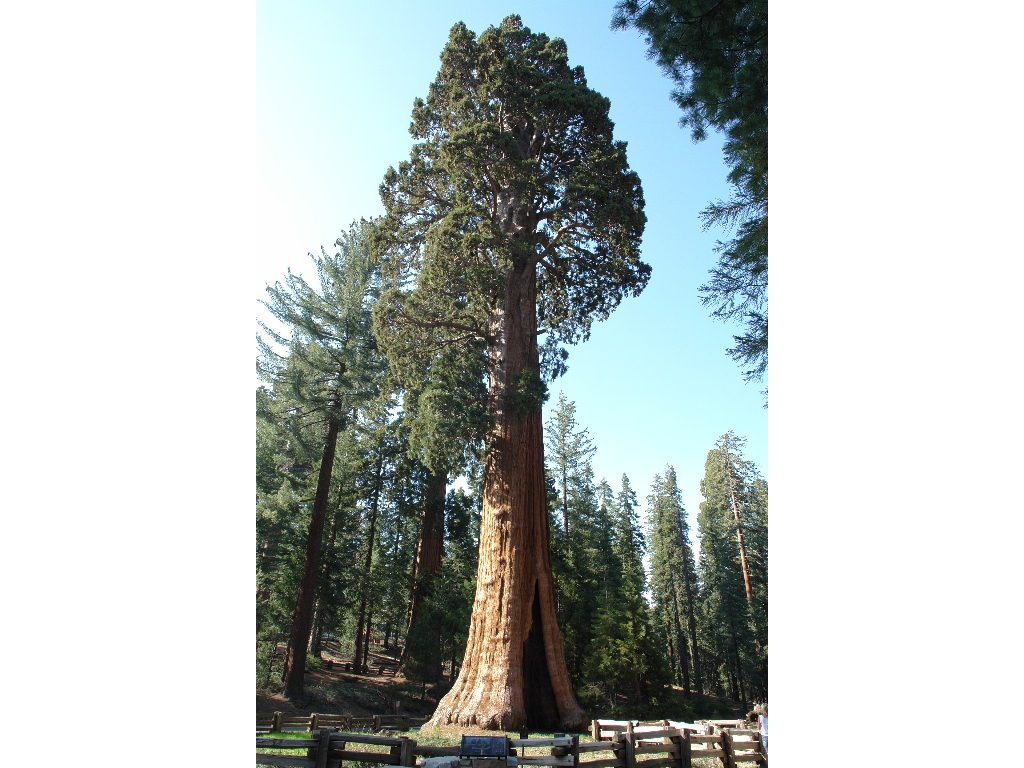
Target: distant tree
x,y
716,53
580,569
330,368
624,658
673,574
733,514
516,217
568,450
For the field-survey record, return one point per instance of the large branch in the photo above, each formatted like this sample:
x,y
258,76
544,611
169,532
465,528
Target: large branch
x,y
472,330
550,247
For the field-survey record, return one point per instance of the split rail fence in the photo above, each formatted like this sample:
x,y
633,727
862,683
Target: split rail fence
x,y
632,744
281,723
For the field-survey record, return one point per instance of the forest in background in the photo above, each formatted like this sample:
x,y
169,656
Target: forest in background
x,y
398,550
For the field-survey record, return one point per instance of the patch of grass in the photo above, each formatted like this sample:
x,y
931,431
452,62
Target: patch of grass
x,y
282,750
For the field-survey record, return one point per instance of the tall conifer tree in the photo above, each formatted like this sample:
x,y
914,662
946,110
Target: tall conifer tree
x,y
568,449
673,573
332,366
732,515
516,216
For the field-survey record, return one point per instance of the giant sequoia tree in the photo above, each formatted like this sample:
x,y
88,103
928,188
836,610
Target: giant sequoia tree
x,y
517,216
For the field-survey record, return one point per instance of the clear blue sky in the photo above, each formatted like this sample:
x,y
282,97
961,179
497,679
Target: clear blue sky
x,y
336,83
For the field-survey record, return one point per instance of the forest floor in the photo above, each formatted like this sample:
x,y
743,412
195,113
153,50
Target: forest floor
x,y
330,689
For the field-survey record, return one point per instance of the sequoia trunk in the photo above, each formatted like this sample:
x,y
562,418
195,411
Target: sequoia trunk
x,y
514,671
302,620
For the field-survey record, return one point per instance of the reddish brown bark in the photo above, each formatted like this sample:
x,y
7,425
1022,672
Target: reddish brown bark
x,y
743,550
302,620
514,671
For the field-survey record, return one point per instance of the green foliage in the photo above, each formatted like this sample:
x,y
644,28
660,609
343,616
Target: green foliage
x,y
673,575
610,648
514,174
443,629
735,628
567,451
716,53
526,392
332,364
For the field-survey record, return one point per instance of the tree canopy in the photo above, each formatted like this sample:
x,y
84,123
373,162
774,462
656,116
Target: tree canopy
x,y
515,168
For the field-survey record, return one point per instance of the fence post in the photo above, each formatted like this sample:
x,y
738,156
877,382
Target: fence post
x,y
575,750
595,730
408,745
728,758
314,721
618,746
376,723
682,742
630,746
277,722
323,747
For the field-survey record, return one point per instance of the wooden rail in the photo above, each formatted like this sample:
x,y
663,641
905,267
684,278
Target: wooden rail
x,y
281,723
678,742
636,745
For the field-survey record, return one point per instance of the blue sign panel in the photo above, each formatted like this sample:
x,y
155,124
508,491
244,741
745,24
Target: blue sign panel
x,y
484,746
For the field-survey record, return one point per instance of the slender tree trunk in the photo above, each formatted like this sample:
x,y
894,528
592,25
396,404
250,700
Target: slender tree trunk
x,y
668,639
295,664
514,671
743,560
366,647
739,669
684,661
429,547
325,578
313,645
357,659
743,550
675,622
565,502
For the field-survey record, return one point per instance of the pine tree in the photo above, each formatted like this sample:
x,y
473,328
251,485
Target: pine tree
x,y
516,216
331,367
624,659
568,449
673,574
733,514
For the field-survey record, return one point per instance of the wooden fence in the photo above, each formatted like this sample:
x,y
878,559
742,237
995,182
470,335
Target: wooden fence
x,y
721,739
282,723
633,745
